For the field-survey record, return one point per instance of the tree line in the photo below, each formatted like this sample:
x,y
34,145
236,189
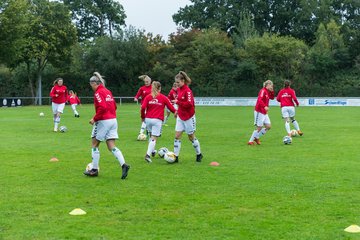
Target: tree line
x,y
228,47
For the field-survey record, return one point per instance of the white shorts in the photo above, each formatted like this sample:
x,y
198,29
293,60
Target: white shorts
x,y
261,119
105,130
175,106
57,107
73,106
154,125
188,126
287,112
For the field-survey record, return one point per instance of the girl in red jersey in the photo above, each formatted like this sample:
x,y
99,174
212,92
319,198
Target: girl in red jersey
x,y
74,101
141,94
59,96
152,113
104,126
171,96
261,117
185,121
287,98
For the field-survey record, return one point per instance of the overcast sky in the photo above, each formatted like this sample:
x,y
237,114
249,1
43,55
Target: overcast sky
x,y
153,16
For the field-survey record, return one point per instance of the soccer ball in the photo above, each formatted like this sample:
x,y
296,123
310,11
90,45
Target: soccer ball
x,y
162,151
63,129
294,133
287,140
169,157
141,137
41,114
90,166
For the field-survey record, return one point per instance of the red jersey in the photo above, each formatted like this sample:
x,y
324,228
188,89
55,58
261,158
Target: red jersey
x,y
185,102
73,99
263,100
105,105
154,107
287,97
143,92
59,94
172,94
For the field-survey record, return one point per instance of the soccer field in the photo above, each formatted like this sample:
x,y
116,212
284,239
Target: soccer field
x,y
306,190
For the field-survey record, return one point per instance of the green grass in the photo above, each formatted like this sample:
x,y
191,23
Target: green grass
x,y
307,190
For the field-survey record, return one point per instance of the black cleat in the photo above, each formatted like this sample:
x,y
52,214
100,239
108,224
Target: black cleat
x,y
125,170
148,159
77,115
92,173
176,159
199,157
153,154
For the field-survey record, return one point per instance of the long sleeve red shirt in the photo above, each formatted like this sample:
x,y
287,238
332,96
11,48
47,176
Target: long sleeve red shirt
x,y
59,94
185,103
143,92
105,105
154,107
287,97
263,100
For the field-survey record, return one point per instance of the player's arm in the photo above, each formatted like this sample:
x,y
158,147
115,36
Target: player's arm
x,y
295,98
169,105
188,102
136,98
143,108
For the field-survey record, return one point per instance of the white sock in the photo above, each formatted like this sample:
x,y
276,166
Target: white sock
x,y
151,147
56,122
287,127
296,125
254,134
196,145
143,127
95,154
262,132
177,147
118,155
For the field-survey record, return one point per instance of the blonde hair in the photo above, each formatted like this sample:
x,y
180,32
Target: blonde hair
x,y
97,78
144,77
72,92
268,82
155,88
56,81
184,77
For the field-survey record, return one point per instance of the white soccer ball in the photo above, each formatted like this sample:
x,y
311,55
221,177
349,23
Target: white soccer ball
x,y
294,133
287,140
63,129
90,166
162,151
170,157
41,114
141,137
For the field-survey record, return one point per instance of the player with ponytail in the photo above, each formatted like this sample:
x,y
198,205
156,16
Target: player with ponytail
x,y
104,126
185,121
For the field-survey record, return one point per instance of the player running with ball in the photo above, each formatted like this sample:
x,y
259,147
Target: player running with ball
x,y
152,114
287,98
104,126
185,121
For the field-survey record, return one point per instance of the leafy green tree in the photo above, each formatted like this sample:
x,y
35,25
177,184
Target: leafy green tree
x,y
120,60
96,18
297,18
276,55
47,37
244,30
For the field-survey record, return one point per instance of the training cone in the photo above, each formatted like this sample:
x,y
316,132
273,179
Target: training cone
x,y
352,229
214,164
77,211
54,159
